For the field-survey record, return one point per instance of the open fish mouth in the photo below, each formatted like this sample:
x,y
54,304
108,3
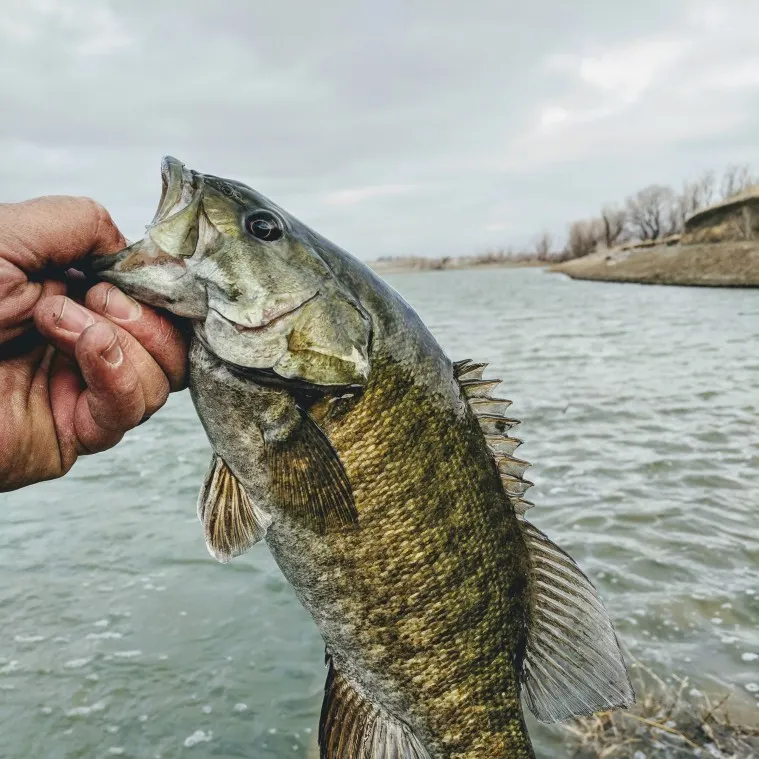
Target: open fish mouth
x,y
179,187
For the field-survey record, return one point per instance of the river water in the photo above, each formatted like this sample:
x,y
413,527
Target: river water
x,y
122,637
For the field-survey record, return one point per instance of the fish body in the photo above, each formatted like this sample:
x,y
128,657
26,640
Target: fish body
x,y
381,476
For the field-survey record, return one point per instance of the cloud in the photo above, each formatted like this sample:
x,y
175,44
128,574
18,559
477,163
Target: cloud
x,y
666,93
89,28
431,128
356,195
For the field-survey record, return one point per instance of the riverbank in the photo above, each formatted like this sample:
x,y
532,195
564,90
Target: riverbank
x,y
726,264
417,263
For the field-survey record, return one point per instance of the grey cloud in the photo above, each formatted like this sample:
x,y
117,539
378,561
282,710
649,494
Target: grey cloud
x,y
391,127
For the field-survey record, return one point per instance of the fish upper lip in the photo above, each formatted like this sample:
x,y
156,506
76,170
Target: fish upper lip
x,y
243,329
175,179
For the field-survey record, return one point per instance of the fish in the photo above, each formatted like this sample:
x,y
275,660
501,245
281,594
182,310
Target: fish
x,y
382,477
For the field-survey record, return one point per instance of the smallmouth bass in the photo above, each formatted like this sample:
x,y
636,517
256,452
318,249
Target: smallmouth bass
x,y
382,477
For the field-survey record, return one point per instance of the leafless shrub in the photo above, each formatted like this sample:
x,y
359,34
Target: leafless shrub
x,y
736,179
615,225
653,212
542,246
696,194
584,237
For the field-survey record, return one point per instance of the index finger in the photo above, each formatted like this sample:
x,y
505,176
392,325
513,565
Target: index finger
x,y
56,229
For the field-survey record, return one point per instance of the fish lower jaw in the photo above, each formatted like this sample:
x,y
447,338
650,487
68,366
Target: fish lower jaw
x,y
266,320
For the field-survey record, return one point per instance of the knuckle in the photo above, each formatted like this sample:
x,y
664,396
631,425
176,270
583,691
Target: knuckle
x,y
97,297
156,394
104,228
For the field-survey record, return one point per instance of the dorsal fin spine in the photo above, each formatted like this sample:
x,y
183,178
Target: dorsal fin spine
x,y
494,425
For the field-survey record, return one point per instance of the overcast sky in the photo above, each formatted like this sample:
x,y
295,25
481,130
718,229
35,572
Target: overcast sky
x,y
419,127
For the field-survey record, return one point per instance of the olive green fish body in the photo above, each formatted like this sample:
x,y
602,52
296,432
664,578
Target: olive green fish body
x,y
431,589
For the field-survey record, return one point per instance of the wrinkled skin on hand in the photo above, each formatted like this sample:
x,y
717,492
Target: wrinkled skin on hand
x,y
75,374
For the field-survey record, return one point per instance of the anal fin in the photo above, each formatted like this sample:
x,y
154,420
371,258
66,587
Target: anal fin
x,y
351,727
573,665
308,479
231,521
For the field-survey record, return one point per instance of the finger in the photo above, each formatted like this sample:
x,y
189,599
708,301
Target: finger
x,y
18,297
63,322
153,331
66,386
55,230
113,402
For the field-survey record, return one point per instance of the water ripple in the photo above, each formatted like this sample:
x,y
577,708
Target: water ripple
x,y
123,637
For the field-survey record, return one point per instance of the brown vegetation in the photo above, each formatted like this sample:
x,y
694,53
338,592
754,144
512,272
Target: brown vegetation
x,y
490,259
654,213
670,721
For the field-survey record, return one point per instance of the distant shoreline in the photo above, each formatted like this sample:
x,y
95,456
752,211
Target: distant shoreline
x,y
719,264
419,264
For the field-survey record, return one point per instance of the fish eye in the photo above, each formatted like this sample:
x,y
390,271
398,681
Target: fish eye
x,y
264,225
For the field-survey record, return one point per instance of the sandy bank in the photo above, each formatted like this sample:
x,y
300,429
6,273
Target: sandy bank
x,y
727,264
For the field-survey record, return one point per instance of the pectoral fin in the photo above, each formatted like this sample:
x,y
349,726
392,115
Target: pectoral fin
x,y
308,479
352,727
573,666
231,521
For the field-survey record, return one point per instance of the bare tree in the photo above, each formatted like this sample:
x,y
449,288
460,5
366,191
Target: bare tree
x,y
696,194
653,212
584,237
614,225
707,189
736,179
542,246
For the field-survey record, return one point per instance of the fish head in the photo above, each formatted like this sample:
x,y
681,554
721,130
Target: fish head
x,y
249,277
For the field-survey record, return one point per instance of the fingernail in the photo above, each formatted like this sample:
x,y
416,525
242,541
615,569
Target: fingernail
x,y
112,354
121,306
73,318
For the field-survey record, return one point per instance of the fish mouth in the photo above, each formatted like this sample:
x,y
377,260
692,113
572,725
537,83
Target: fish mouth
x,y
179,186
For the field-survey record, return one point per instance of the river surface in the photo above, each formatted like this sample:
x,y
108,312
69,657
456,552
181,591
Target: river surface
x,y
122,637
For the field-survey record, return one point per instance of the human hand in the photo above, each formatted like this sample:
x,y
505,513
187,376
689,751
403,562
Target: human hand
x,y
74,377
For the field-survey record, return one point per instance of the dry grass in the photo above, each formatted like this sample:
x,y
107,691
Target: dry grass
x,y
667,723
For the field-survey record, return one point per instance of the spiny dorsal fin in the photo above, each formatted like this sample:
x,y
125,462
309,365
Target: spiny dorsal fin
x,y
470,371
231,521
493,406
501,444
308,479
490,412
510,466
573,666
351,727
496,425
478,388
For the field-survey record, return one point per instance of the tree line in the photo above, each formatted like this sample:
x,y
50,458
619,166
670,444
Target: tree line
x,y
653,213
